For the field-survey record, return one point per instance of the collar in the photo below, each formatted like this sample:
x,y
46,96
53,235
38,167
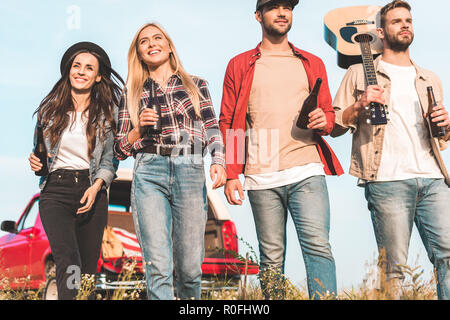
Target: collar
x,y
379,68
149,81
257,53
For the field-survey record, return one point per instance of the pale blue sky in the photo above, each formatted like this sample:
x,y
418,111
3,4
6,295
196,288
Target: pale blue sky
x,y
207,34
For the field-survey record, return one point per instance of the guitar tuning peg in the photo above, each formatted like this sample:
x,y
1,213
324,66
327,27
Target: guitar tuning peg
x,y
368,121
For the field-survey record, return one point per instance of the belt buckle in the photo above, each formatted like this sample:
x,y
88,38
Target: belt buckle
x,y
165,151
182,150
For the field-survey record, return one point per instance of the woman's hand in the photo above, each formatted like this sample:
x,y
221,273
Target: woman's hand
x,y
35,163
89,196
218,175
148,117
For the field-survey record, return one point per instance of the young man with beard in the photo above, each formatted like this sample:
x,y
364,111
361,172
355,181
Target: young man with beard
x,y
399,164
284,166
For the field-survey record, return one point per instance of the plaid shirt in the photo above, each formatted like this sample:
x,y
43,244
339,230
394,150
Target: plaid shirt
x,y
180,126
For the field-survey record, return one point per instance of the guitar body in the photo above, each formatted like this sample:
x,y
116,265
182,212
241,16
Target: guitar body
x,y
351,31
344,24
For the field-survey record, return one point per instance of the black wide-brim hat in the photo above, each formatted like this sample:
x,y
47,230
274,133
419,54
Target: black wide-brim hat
x,y
90,47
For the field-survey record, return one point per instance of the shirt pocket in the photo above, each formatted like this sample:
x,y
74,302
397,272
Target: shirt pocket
x,y
360,88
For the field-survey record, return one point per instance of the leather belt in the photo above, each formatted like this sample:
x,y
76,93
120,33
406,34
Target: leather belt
x,y
167,151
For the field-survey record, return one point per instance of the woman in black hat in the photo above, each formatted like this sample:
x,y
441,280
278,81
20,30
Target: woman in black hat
x,y
78,118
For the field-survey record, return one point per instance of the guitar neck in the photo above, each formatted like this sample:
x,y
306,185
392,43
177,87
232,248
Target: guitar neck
x,y
367,58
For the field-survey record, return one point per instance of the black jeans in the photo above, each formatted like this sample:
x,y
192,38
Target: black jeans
x,y
75,240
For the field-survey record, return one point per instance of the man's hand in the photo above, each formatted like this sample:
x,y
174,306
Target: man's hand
x,y
372,94
440,114
231,187
218,175
317,120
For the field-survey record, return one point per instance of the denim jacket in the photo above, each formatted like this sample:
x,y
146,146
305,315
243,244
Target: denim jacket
x,y
103,165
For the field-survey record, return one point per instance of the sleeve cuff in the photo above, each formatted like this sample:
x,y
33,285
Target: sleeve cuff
x,y
106,175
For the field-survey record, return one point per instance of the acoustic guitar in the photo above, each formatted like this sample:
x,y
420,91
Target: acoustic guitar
x,y
351,31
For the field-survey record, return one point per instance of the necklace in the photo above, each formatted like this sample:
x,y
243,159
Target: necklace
x,y
162,82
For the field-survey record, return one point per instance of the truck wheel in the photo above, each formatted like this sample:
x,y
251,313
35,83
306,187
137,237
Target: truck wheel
x,y
50,290
50,269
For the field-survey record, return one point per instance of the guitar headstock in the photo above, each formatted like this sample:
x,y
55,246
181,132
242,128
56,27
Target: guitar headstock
x,y
378,114
343,25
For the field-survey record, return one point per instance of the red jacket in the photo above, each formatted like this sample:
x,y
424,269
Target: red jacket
x,y
236,92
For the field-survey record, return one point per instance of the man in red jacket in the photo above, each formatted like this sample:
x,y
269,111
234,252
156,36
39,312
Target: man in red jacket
x,y
284,166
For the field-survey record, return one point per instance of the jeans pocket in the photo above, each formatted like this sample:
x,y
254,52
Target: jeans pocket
x,y
53,180
147,158
197,162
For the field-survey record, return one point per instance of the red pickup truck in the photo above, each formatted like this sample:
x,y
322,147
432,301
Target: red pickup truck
x,y
26,259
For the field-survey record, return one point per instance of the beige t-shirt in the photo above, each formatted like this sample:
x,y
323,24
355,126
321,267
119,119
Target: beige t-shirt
x,y
279,88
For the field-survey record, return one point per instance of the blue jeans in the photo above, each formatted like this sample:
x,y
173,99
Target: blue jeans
x,y
395,207
308,204
168,198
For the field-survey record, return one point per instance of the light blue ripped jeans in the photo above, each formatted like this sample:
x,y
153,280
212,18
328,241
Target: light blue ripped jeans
x,y
168,199
395,207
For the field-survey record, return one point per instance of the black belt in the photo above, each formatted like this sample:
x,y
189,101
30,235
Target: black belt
x,y
84,172
65,173
168,151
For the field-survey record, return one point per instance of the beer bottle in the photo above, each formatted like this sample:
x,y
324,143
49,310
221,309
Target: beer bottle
x,y
40,151
309,105
156,128
436,131
154,104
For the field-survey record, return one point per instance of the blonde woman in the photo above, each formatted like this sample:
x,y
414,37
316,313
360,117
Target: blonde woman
x,y
168,195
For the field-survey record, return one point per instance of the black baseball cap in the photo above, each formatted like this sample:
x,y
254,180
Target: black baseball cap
x,y
90,47
260,3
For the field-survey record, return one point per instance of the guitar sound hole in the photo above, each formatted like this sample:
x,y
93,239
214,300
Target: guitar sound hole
x,y
365,37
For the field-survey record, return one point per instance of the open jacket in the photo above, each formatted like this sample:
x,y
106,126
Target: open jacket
x,y
367,145
103,165
236,92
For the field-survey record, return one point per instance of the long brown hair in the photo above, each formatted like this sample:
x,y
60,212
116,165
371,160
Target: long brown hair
x,y
53,111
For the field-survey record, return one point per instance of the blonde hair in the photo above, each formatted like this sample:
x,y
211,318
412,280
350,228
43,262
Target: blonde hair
x,y
138,72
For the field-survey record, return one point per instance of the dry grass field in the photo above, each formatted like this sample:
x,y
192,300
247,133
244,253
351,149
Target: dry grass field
x,y
413,288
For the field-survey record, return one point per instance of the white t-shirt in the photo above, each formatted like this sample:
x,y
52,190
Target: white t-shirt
x,y
73,150
284,177
406,151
